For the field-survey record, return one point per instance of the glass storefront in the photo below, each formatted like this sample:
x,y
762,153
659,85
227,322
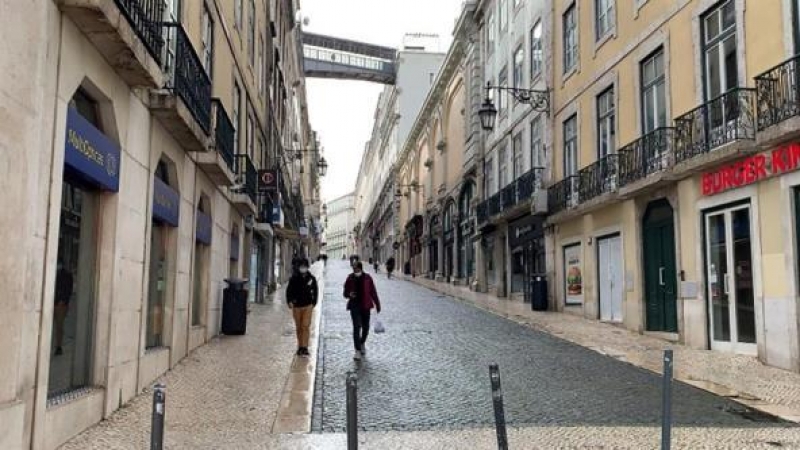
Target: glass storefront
x,y
199,284
72,342
157,293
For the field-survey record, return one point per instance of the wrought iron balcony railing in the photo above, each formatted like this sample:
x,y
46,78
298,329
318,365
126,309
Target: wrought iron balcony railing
x,y
727,118
224,134
512,195
508,196
145,17
598,178
186,76
651,153
564,194
482,212
495,204
528,183
247,176
778,93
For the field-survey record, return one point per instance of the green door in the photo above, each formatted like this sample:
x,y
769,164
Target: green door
x,y
660,278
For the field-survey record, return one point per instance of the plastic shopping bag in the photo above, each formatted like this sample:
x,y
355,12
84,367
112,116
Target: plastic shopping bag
x,y
378,326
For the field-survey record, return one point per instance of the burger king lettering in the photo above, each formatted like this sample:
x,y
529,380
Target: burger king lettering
x,y
752,169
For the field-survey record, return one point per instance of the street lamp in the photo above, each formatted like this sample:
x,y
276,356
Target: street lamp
x,y
539,101
322,165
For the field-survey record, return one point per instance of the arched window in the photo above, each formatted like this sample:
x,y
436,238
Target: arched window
x,y
465,250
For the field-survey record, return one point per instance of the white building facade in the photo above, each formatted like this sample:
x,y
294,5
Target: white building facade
x,y
339,229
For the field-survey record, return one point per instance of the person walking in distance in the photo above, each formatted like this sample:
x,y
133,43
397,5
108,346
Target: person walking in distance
x,y
301,295
361,295
389,267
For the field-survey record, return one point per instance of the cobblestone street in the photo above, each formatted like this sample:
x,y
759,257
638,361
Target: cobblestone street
x,y
430,370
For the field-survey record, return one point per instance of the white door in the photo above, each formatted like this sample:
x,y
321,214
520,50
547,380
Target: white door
x,y
610,281
729,275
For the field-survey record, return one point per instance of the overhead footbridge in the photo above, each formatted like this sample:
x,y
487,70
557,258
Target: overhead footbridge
x,y
343,59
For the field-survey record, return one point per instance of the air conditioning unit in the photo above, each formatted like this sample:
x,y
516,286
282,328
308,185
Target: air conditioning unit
x,y
539,202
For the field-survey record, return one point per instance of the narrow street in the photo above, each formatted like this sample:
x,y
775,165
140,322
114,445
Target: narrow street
x,y
430,370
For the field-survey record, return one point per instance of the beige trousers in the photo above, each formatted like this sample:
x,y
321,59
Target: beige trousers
x,y
302,324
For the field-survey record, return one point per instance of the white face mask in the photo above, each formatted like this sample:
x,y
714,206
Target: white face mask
x,y
358,274
304,270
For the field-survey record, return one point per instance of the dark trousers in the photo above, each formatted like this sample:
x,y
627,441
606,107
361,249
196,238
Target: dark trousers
x,y
360,327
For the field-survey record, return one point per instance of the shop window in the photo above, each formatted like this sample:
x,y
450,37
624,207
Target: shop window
x,y
72,340
517,271
157,290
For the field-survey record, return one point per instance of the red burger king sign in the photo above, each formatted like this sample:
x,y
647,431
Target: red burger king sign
x,y
752,169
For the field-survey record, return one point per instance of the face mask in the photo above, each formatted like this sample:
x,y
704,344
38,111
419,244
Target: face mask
x,y
304,270
358,274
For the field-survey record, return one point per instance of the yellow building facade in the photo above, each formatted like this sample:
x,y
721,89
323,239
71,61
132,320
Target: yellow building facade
x,y
673,201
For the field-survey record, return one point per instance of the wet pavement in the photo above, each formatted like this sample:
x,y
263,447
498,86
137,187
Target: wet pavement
x,y
430,371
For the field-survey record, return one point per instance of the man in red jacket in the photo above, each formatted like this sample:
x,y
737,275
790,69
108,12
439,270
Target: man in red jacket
x,y
361,295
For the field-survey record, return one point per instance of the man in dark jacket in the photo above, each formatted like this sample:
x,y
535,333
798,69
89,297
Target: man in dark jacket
x,y
302,294
361,295
389,266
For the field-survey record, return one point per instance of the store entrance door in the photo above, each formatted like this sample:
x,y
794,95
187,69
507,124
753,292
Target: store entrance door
x,y
660,278
729,274
609,258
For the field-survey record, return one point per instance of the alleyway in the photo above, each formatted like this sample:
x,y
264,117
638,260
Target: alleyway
x,y
428,373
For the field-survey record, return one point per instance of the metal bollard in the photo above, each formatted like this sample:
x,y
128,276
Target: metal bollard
x,y
666,402
157,430
352,411
499,411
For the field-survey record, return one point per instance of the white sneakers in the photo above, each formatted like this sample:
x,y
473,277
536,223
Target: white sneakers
x,y
357,356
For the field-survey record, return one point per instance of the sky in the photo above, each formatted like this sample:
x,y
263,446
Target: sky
x,y
342,111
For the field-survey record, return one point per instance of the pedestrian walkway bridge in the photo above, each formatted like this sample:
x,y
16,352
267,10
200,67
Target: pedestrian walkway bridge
x,y
343,59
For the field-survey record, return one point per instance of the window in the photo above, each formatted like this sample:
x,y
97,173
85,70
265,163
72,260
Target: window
x,y
570,39
261,68
491,33
208,42
502,80
654,108
503,14
250,133
605,123
251,35
571,146
503,162
537,146
517,3
536,50
519,161
237,14
489,177
719,50
519,59
237,100
603,17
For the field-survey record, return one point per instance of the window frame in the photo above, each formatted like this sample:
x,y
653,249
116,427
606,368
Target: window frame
x,y
606,121
652,87
518,65
537,60
536,142
237,114
502,161
502,6
609,14
570,164
491,32
569,23
237,14
718,41
517,156
251,32
502,80
207,41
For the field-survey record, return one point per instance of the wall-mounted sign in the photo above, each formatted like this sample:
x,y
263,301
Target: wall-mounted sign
x,y
752,169
90,153
267,180
166,203
203,228
573,275
525,229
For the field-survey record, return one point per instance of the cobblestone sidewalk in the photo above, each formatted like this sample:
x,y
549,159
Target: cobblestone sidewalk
x,y
741,378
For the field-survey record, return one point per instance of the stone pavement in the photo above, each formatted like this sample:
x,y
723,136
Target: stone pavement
x,y
742,378
430,370
229,393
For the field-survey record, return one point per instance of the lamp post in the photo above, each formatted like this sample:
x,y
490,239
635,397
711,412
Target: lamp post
x,y
538,99
322,164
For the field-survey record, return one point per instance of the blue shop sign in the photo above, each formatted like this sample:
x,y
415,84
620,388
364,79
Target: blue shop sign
x,y
90,153
166,203
203,228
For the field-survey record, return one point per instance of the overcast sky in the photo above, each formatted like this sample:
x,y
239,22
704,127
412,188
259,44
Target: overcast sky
x,y
342,111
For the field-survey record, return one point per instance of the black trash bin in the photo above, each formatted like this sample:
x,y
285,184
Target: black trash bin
x,y
234,307
539,292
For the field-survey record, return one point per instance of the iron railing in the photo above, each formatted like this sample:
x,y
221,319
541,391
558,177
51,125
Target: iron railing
x,y
186,76
508,196
727,118
224,134
495,204
482,212
528,183
651,153
247,176
144,16
598,178
778,93
564,194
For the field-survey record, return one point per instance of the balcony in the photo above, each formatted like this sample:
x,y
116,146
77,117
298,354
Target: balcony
x,y
126,33
643,162
564,195
218,164
778,102
512,199
598,178
716,131
184,105
244,193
